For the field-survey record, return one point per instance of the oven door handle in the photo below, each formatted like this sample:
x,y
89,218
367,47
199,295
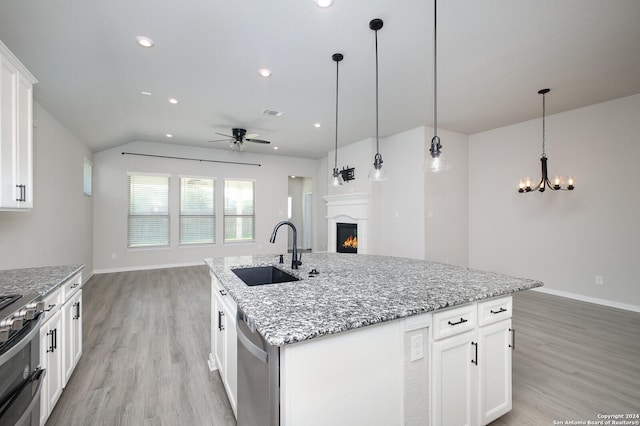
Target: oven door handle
x,y
37,375
22,343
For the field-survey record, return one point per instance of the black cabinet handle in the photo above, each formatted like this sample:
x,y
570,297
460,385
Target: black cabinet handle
x,y
23,193
499,311
462,321
220,326
476,346
50,333
513,339
222,292
55,339
77,306
50,308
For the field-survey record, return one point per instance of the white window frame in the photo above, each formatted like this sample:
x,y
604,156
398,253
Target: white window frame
x,y
167,215
226,216
87,177
213,214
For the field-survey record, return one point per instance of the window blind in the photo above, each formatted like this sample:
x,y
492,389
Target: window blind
x,y
197,214
87,179
148,223
239,212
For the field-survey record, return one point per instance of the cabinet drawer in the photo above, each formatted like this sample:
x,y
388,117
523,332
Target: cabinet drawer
x,y
52,304
494,310
454,321
70,287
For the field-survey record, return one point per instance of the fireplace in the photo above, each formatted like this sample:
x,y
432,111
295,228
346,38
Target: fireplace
x,y
351,209
346,237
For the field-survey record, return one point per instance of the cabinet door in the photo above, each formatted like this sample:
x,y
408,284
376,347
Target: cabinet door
x,y
494,368
24,149
51,360
72,336
453,380
231,352
8,133
219,323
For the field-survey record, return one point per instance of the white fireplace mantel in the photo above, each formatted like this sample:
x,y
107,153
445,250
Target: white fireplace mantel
x,y
348,208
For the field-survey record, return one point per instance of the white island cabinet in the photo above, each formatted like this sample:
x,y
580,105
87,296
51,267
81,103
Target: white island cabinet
x,y
16,133
223,339
365,339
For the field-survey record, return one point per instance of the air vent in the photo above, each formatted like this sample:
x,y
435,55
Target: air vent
x,y
272,113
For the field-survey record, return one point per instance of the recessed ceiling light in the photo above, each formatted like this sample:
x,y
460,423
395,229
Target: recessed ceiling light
x,y
323,3
317,124
144,41
173,101
145,93
169,135
293,177
264,72
275,147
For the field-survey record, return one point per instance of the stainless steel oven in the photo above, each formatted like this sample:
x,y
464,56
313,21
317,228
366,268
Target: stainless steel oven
x,y
20,374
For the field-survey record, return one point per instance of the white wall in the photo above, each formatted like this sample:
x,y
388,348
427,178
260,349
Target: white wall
x,y
111,203
447,202
563,238
399,225
58,230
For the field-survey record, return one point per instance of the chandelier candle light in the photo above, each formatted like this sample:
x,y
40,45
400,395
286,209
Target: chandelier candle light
x,y
558,182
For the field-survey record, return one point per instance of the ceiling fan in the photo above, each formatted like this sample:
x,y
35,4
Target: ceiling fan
x,y
238,138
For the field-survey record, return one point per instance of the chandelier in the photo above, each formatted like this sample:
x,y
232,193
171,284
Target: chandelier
x,y
559,183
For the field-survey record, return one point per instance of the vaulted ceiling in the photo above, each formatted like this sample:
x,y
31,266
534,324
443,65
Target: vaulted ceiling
x,y
493,56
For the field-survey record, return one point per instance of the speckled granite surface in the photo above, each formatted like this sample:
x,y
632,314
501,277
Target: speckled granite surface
x,y
35,280
353,291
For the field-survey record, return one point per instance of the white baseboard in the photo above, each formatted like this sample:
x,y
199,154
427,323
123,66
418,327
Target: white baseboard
x,y
211,363
146,268
582,298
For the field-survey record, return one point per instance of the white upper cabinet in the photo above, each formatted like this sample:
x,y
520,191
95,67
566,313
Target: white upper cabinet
x,y
16,133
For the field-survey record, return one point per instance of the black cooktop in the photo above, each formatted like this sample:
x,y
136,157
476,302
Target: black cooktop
x,y
7,300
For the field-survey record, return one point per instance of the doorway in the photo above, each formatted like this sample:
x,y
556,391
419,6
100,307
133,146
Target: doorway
x,y
300,210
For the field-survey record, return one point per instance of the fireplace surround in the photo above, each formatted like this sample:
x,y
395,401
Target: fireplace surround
x,y
351,208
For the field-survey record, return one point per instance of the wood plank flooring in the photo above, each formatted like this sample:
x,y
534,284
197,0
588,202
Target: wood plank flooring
x,y
146,341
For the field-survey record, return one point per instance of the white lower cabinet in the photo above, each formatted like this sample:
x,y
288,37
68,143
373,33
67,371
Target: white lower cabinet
x,y
471,363
224,347
51,361
60,341
72,326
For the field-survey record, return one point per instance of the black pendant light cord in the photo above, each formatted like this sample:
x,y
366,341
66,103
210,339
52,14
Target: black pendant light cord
x,y
337,57
435,69
544,92
377,139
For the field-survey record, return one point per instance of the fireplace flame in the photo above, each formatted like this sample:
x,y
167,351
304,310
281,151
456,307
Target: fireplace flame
x,y
351,242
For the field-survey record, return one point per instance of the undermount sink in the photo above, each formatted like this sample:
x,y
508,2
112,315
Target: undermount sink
x,y
261,275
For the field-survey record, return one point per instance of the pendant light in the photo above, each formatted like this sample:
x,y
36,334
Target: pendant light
x,y
337,176
377,174
558,182
437,162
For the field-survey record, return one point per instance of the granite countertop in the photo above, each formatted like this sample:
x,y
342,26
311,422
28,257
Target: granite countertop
x,y
40,280
352,291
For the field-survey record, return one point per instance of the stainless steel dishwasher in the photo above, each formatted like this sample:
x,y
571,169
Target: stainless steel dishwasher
x,y
258,376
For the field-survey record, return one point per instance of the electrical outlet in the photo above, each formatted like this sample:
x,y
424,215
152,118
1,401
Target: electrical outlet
x,y
417,347
599,280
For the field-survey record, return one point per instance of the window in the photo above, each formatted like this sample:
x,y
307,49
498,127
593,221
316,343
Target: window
x,y
197,219
87,182
239,212
148,223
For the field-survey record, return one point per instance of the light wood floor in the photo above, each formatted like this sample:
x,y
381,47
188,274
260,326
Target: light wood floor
x,y
146,341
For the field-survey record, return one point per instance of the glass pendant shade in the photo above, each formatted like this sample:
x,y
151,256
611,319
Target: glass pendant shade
x,y
336,180
377,173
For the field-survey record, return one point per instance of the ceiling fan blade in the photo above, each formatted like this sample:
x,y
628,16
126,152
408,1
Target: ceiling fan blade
x,y
256,140
222,134
223,140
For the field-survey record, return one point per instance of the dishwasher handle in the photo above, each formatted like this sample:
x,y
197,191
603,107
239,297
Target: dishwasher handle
x,y
247,343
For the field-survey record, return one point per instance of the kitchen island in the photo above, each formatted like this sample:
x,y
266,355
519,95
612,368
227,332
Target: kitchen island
x,y
366,340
